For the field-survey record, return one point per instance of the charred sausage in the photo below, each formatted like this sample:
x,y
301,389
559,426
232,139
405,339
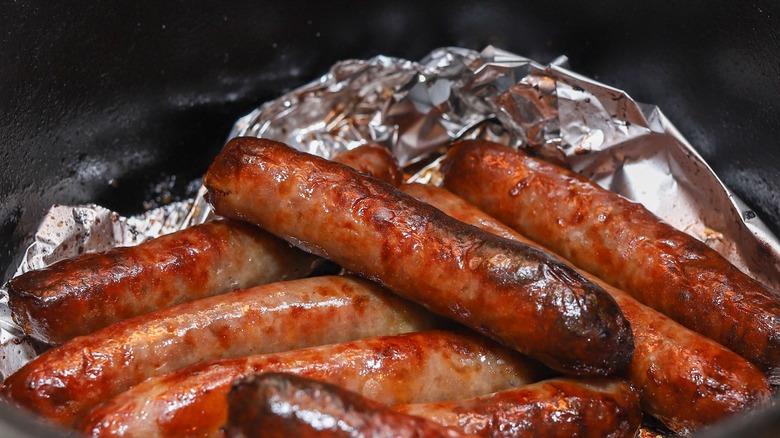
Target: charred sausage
x,y
685,380
401,369
622,243
80,295
517,294
285,405
564,408
67,381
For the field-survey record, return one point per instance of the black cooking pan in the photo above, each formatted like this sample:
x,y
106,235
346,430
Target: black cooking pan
x,y
121,103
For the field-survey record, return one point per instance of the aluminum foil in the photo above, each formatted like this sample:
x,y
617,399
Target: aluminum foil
x,y
67,231
416,109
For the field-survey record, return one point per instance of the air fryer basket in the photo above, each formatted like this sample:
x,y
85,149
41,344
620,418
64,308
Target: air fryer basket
x,y
116,103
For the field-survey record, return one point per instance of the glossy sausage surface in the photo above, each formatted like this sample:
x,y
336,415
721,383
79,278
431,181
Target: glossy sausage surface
x,y
65,382
622,243
204,260
564,408
517,294
373,160
401,369
80,295
685,380
286,405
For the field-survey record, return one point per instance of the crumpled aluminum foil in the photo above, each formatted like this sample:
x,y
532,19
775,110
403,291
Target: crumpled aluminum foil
x,y
417,108
67,231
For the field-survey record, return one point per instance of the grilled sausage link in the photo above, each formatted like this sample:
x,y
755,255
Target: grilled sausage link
x,y
621,242
401,369
562,408
67,381
80,295
511,292
285,405
685,380
201,261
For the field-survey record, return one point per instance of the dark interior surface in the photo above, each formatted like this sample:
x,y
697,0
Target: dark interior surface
x,y
120,103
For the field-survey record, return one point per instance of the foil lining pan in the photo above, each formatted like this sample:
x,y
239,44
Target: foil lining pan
x,y
416,109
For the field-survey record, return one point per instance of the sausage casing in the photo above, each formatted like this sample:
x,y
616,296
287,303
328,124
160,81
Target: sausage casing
x,y
685,380
80,295
201,261
622,243
375,161
519,295
401,369
65,382
286,405
552,408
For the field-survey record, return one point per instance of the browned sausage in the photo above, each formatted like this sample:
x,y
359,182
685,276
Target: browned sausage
x,y
373,160
201,261
285,405
83,294
621,242
517,294
401,369
564,408
67,381
685,380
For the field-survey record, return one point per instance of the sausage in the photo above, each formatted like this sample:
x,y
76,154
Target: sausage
x,y
552,408
622,243
509,291
285,405
201,261
400,369
373,160
685,380
67,381
80,295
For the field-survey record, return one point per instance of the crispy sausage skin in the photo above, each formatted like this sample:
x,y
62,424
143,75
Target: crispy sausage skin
x,y
685,380
621,242
201,261
285,405
519,295
67,381
401,369
373,160
552,408
80,295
